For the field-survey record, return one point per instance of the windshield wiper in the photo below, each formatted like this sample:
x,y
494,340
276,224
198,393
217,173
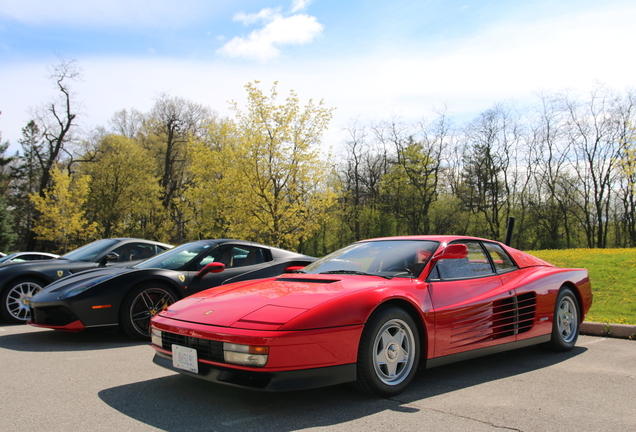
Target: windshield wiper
x,y
354,272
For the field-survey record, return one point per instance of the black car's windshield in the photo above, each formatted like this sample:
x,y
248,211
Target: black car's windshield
x,y
387,258
90,251
176,258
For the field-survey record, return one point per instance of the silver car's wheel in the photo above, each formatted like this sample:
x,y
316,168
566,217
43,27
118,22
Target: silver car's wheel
x,y
567,319
566,322
389,352
141,305
393,347
16,298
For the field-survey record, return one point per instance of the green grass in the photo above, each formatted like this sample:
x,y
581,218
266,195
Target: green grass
x,y
613,276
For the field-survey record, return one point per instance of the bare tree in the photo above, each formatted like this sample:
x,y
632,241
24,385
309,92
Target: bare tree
x,y
596,149
48,136
488,166
172,122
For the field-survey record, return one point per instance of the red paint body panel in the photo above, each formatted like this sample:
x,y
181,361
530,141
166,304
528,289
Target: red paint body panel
x,y
316,320
289,350
73,327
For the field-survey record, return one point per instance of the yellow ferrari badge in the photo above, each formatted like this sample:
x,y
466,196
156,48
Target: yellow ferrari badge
x,y
182,278
60,273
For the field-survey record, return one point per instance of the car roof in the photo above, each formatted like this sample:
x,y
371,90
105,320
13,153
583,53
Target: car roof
x,y
439,238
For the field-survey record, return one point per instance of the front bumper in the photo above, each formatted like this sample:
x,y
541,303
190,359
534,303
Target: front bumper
x,y
266,381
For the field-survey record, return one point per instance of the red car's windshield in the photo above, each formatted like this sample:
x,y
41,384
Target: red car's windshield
x,y
388,258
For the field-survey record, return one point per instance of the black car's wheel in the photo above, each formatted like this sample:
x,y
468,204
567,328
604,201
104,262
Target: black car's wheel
x,y
16,297
141,304
389,352
566,323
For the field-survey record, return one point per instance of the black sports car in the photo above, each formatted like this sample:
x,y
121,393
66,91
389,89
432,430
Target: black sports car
x,y
129,297
20,281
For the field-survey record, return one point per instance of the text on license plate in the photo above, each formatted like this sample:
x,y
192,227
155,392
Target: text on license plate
x,y
185,358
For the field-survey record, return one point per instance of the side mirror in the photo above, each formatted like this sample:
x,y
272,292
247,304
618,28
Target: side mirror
x,y
452,251
110,256
292,269
213,267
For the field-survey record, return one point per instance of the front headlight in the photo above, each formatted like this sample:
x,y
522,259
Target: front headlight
x,y
80,289
155,337
246,355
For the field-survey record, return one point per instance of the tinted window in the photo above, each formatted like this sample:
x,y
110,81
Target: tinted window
x,y
500,258
235,256
135,252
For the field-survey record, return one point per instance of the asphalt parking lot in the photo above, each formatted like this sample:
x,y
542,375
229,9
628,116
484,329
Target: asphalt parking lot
x,y
52,381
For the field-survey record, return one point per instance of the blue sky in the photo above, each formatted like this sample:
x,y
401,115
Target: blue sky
x,y
371,60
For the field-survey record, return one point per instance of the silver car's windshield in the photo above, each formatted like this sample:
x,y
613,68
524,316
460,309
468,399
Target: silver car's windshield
x,y
387,258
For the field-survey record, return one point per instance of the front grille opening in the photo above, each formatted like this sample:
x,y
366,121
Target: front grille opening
x,y
206,349
52,315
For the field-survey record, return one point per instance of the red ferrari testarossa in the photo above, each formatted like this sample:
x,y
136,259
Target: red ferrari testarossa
x,y
371,313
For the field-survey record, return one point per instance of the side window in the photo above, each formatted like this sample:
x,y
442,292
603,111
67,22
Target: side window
x,y
235,256
500,258
124,252
135,252
474,265
248,255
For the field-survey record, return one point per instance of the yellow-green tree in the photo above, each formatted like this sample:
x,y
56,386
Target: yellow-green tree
x,y
267,179
210,203
62,215
124,190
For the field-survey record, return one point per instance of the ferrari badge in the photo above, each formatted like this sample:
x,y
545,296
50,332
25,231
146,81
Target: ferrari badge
x,y
60,273
182,278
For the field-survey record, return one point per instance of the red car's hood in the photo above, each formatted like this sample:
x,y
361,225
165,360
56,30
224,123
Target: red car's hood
x,y
267,304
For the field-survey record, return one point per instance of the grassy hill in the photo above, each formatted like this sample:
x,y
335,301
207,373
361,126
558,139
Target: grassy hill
x,y
613,276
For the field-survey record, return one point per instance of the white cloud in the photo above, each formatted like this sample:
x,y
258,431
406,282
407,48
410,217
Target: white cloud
x,y
266,15
508,61
263,44
299,5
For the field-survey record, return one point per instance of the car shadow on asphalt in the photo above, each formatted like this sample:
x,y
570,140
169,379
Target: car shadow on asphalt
x,y
180,403
45,340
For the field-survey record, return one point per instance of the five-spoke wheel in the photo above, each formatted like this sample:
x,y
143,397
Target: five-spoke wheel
x,y
140,305
389,352
565,328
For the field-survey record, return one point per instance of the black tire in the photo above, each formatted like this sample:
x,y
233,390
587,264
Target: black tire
x,y
566,321
389,352
16,297
141,304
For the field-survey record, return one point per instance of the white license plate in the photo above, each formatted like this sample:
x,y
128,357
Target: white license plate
x,y
185,358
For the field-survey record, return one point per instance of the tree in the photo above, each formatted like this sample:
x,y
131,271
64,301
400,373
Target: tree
x,y
124,191
270,172
7,234
596,144
46,137
62,216
410,187
363,164
487,191
167,130
412,183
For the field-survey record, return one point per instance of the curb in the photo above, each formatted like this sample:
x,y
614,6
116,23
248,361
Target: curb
x,y
622,331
